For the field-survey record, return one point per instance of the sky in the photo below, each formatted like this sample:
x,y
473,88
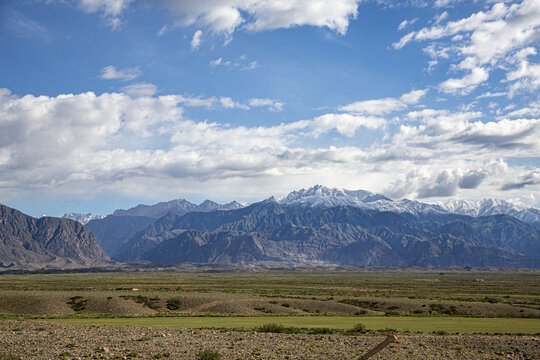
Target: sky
x,y
108,104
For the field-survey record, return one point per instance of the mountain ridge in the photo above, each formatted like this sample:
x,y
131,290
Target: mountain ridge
x,y
27,240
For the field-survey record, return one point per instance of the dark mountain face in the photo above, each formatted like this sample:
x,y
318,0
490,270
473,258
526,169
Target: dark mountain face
x,y
341,235
24,239
112,232
178,206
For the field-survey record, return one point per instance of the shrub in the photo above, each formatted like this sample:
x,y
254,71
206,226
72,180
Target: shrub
x,y
161,356
358,328
208,354
77,303
144,338
174,304
145,300
272,328
321,330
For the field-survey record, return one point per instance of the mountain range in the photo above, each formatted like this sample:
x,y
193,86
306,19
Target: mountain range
x,y
315,226
271,232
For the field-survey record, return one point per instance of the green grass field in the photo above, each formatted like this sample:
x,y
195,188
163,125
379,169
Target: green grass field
x,y
404,283
409,323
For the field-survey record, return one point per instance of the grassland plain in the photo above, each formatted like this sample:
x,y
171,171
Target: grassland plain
x,y
439,301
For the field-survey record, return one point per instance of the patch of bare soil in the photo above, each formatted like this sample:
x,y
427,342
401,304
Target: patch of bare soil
x,y
42,340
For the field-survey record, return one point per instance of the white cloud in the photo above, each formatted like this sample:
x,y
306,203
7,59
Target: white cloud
x,y
527,75
111,73
140,89
196,41
111,9
227,16
483,41
273,105
79,143
533,110
218,62
404,40
489,94
405,23
528,179
413,96
344,124
440,182
242,63
465,84
229,103
384,106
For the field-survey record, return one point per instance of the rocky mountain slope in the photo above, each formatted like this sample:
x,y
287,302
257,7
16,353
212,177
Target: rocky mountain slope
x,y
270,231
27,240
178,206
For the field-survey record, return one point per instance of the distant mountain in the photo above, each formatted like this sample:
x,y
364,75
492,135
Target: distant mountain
x,y
112,232
272,231
178,206
82,218
320,196
492,207
25,240
321,225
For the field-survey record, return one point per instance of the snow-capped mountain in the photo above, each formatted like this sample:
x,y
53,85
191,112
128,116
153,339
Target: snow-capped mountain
x,y
82,218
488,207
321,196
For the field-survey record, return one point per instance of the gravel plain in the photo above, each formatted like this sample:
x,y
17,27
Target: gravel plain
x,y
29,339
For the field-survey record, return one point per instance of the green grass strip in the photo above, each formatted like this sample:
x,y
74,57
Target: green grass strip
x,y
408,323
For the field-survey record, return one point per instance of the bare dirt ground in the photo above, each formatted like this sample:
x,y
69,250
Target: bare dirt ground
x,y
26,339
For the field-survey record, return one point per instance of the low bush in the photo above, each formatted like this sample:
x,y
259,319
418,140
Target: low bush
x,y
208,354
174,304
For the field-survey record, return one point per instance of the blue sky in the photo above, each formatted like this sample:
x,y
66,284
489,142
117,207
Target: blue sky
x,y
107,104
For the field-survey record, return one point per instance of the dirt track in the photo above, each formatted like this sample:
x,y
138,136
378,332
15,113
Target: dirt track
x,y
42,340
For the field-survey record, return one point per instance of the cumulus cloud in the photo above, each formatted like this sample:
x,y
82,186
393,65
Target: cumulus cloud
x,y
130,142
384,106
533,110
229,103
531,178
272,105
483,41
196,41
467,83
526,76
111,73
443,130
344,124
225,17
427,182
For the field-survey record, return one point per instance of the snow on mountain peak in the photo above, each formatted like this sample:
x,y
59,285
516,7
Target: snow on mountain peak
x,y
319,195
82,218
